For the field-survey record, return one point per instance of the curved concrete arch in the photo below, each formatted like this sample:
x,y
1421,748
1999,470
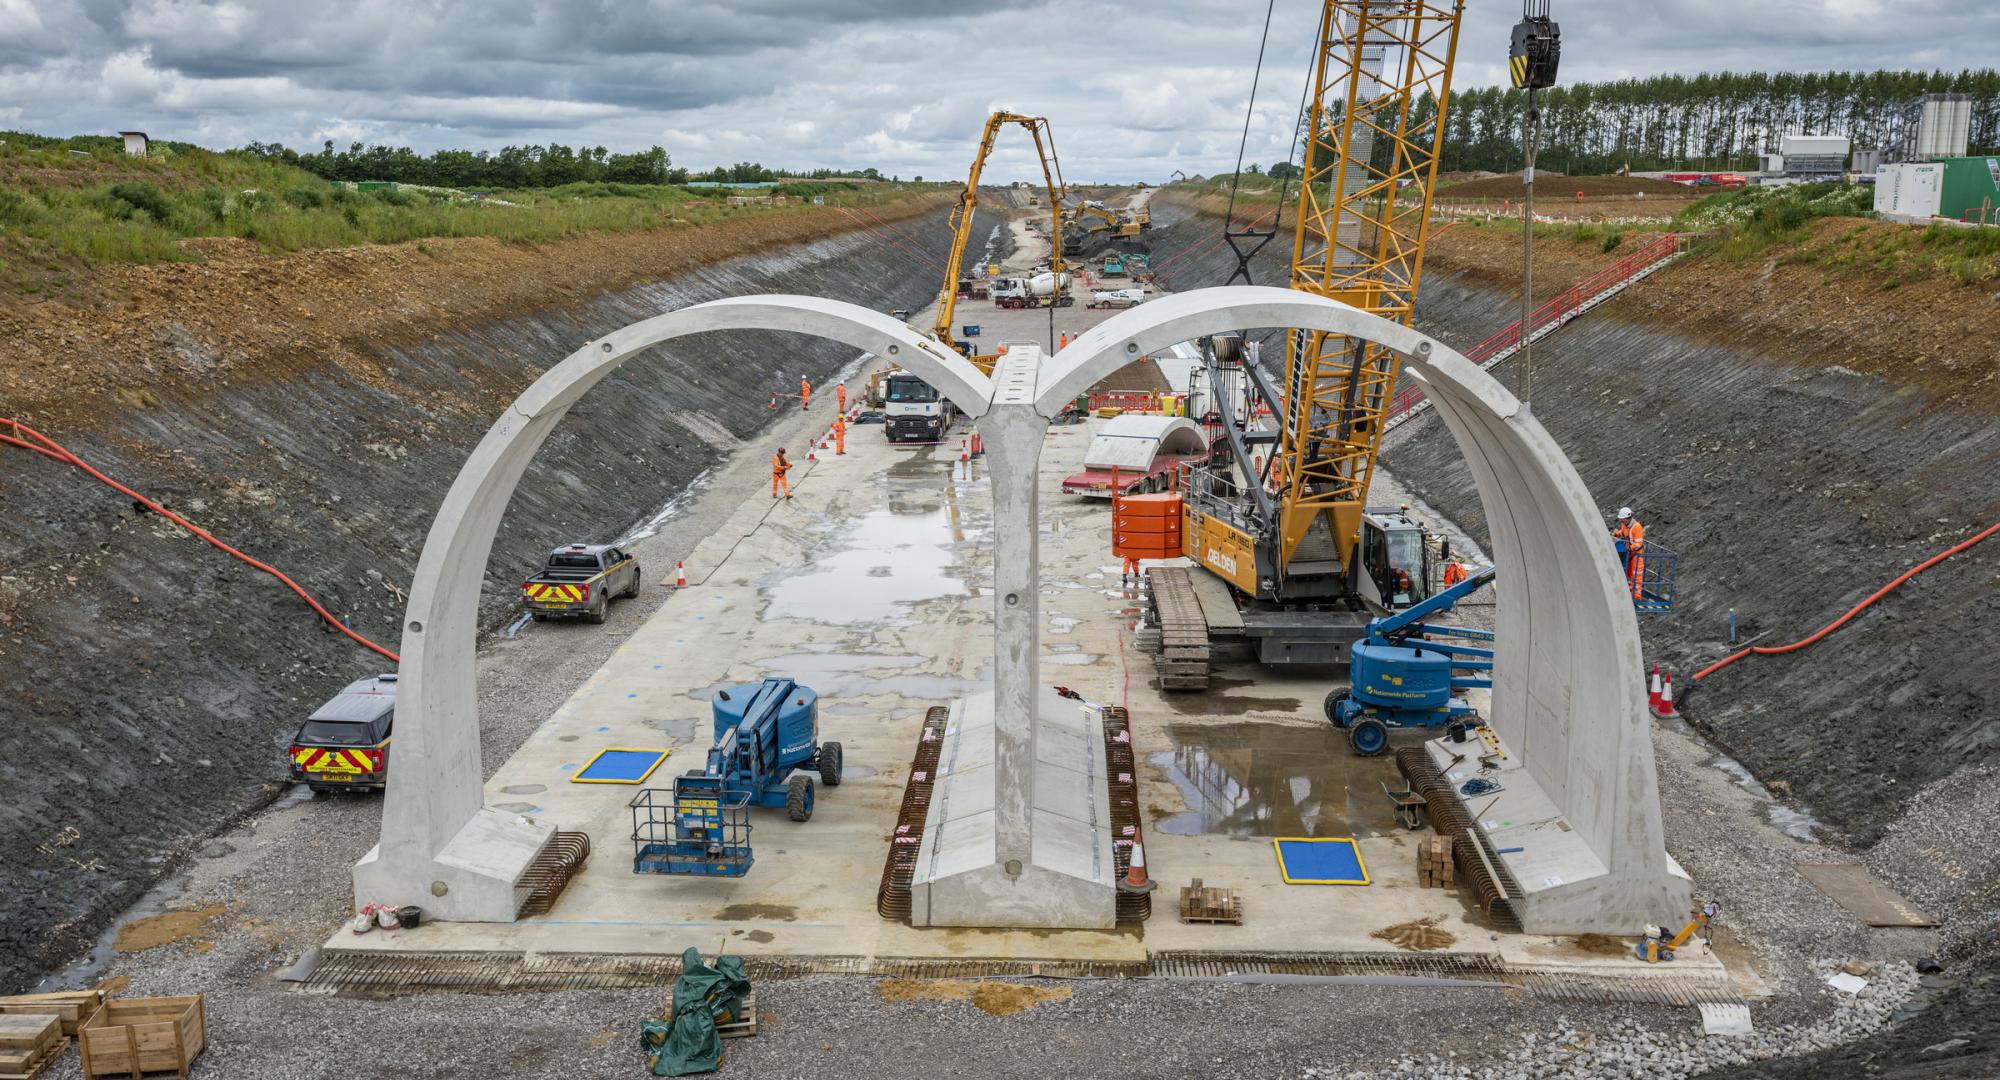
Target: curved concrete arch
x,y
1568,675
441,847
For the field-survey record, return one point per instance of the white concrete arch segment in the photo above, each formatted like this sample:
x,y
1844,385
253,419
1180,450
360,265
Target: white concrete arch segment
x,y
441,847
1568,676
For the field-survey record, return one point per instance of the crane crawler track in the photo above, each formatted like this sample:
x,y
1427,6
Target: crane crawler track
x,y
1184,644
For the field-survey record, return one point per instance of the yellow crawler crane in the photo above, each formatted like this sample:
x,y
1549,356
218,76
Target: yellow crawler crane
x,y
961,221
1291,532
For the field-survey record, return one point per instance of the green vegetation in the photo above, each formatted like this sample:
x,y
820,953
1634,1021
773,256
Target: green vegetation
x,y
1754,221
85,199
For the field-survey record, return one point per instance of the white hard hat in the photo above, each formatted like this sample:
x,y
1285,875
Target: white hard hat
x,y
1624,512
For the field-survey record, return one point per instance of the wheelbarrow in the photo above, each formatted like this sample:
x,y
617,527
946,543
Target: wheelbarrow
x,y
1409,806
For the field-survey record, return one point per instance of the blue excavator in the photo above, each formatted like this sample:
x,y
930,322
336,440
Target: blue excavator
x,y
1404,674
765,753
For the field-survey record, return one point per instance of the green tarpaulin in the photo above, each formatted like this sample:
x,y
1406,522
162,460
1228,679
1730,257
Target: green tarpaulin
x,y
686,1043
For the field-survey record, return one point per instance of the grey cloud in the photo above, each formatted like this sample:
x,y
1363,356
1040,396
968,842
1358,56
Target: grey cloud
x,y
1133,91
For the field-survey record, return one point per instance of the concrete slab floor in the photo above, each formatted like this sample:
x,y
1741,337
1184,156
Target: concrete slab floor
x,y
871,586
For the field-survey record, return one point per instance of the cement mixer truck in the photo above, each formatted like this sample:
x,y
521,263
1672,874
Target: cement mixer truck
x,y
1037,290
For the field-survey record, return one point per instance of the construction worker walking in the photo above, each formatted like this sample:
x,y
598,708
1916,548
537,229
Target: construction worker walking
x,y
839,433
1630,539
779,467
840,397
1129,573
805,393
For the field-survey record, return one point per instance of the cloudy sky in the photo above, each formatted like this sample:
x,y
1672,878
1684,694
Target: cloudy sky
x,y
1135,90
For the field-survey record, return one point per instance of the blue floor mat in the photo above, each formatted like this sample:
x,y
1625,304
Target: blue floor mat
x,y
1312,861
619,765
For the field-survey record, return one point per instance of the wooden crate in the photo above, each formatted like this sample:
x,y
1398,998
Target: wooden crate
x,y
28,1042
1206,904
1435,869
136,1036
74,1006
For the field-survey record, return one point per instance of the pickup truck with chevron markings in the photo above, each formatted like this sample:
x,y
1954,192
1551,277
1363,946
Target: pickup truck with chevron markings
x,y
344,744
581,579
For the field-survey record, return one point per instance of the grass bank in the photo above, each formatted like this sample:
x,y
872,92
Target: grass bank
x,y
62,207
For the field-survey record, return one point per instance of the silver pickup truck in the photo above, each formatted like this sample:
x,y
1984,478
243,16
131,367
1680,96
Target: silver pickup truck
x,y
581,579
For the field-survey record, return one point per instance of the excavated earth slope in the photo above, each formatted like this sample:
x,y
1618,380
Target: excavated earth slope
x,y
312,410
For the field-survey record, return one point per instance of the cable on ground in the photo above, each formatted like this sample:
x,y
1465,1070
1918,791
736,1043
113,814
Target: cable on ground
x,y
28,438
1857,609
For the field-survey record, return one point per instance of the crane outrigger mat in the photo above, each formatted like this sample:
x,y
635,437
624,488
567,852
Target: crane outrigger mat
x,y
619,765
1306,860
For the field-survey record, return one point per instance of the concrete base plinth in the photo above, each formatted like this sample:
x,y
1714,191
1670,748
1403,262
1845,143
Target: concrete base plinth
x,y
1566,888
970,869
471,880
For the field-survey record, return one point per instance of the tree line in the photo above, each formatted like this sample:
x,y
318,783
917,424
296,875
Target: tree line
x,y
1713,120
518,167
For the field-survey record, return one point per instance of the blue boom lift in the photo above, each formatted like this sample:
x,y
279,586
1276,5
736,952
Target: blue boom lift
x,y
1403,679
766,746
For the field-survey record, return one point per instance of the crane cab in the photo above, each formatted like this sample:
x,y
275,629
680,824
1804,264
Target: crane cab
x,y
1392,572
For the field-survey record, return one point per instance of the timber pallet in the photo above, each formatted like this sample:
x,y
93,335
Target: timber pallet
x,y
1184,648
1206,904
28,1042
743,1026
73,1007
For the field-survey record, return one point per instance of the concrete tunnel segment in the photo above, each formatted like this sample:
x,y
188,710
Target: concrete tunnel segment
x,y
1567,686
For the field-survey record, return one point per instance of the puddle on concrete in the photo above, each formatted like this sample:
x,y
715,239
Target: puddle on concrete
x,y
687,728
886,562
1059,624
518,807
524,789
1216,701
1069,659
1790,820
1250,779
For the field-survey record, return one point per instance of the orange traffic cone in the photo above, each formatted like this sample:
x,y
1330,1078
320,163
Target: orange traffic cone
x,y
1666,696
1135,875
810,456
1653,690
680,575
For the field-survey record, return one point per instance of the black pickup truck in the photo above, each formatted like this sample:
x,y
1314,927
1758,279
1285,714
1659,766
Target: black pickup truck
x,y
581,579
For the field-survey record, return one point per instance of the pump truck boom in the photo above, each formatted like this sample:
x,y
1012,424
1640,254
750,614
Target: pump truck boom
x,y
961,226
1307,562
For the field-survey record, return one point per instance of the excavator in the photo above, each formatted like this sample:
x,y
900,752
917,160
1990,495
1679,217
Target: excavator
x,y
961,227
1283,520
1089,218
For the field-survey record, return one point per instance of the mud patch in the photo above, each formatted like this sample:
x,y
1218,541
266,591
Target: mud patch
x,y
1417,935
993,998
1603,945
746,912
166,928
760,936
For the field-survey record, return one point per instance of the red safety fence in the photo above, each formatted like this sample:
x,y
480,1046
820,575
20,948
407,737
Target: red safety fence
x,y
1559,309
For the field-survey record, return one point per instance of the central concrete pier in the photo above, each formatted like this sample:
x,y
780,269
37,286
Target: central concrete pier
x,y
1019,829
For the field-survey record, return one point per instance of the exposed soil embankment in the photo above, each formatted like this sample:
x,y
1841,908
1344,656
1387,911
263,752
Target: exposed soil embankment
x,y
148,681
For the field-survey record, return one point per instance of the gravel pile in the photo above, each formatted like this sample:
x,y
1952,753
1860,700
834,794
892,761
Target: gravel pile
x,y
1635,1050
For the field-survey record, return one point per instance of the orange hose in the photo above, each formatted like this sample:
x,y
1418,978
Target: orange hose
x,y
1851,612
52,449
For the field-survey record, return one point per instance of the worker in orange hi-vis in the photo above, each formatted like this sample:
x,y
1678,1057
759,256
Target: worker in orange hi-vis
x,y
1630,537
1130,572
839,433
1455,572
840,397
805,393
779,467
